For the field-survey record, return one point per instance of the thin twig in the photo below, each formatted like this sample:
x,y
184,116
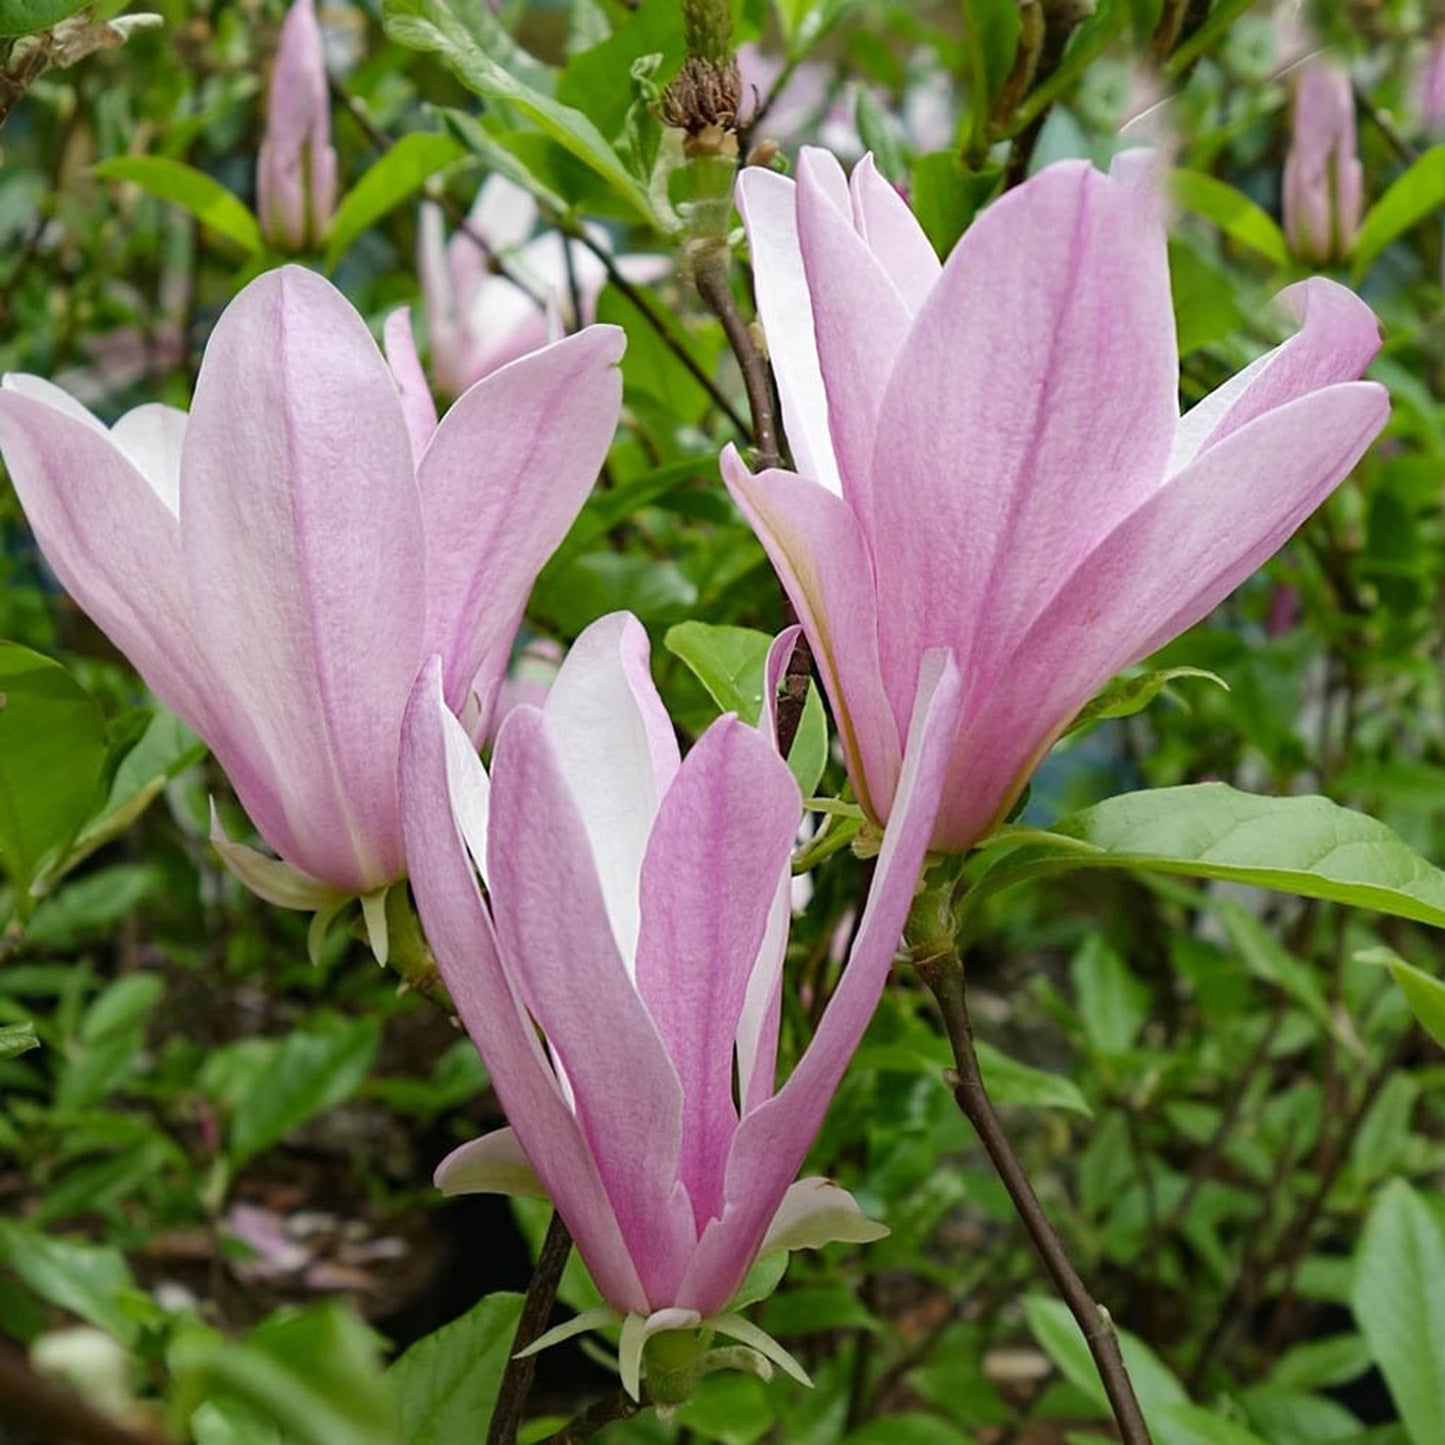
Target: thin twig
x,y
654,318
942,972
55,1413
713,287
511,1404
608,1411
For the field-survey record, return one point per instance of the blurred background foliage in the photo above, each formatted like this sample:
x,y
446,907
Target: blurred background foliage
x,y
1225,1103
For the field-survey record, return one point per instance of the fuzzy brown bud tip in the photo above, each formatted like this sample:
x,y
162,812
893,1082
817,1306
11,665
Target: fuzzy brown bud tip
x,y
704,96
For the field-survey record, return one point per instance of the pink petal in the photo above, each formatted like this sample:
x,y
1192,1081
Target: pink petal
x,y
416,399
1158,572
817,549
494,1164
719,851
1337,340
554,933
893,235
619,754
437,762
504,477
860,321
767,202
152,436
1031,408
772,1140
301,530
111,540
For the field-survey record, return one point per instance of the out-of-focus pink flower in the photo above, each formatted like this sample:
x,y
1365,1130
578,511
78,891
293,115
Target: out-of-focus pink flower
x,y
296,169
623,970
477,319
1430,92
993,459
278,563
811,106
1324,187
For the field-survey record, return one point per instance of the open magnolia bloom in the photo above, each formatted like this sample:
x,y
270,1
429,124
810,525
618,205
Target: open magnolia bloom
x,y
623,969
278,563
992,458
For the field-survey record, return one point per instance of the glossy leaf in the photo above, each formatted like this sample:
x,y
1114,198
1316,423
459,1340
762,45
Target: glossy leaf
x,y
272,1086
729,662
1232,211
182,185
1134,694
1307,846
52,750
400,171
471,39
1418,193
17,1039
446,1384
1399,1302
24,17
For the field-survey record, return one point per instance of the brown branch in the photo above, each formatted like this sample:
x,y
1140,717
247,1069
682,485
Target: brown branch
x,y
942,972
713,287
511,1404
608,1411
56,1413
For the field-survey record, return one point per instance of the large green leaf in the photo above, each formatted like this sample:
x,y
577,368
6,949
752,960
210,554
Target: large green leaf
x,y
1413,196
1399,1301
387,184
446,1384
24,17
729,662
475,45
52,750
1308,846
182,185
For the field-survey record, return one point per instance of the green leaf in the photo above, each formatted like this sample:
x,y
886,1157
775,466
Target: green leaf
x,y
87,1280
24,17
729,662
399,172
1418,193
1134,694
1194,1425
1062,1341
475,45
1113,1003
991,32
1317,1364
111,1034
815,1308
947,195
1399,1302
1307,846
1424,993
315,1374
1010,1082
182,185
17,1039
1233,212
52,751
446,1384
272,1086
908,1429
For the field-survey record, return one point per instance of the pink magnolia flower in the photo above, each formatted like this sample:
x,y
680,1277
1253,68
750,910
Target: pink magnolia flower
x,y
1430,87
296,169
478,319
635,917
1324,185
278,563
992,458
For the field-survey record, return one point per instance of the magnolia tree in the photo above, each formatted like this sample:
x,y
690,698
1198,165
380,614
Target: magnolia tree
x,y
878,758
